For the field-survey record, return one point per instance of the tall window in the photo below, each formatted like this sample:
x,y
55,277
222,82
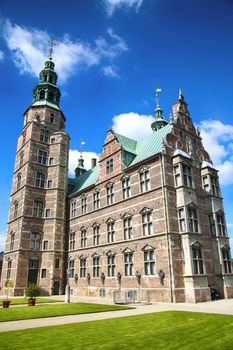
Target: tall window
x,y
111,261
44,135
127,224
96,235
83,267
42,157
198,268
12,242
111,231
221,224
128,262
83,204
126,187
9,265
71,268
16,207
212,225
181,213
144,180
147,226
109,166
21,157
83,238
177,175
35,241
205,181
192,220
24,138
40,179
214,185
226,260
18,185
72,241
110,194
38,209
187,175
96,200
149,262
73,209
96,266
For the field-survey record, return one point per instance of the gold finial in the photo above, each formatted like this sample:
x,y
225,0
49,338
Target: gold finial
x,y
157,91
52,42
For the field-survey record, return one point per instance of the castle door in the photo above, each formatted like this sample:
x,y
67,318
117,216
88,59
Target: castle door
x,y
33,271
56,287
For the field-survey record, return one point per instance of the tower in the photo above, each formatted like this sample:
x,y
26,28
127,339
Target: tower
x,y
34,251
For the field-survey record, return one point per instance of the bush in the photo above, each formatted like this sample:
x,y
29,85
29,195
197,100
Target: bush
x,y
32,291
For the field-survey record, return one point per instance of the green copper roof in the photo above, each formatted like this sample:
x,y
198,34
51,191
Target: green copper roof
x,y
45,103
141,150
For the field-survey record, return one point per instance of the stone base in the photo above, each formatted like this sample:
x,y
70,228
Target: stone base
x,y
197,295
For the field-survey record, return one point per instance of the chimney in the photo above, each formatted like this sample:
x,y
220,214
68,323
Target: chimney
x,y
93,162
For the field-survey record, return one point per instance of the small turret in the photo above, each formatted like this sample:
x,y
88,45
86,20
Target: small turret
x,y
159,122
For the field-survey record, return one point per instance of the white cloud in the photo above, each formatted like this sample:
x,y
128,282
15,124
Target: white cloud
x,y
1,55
2,241
29,47
133,125
74,155
218,140
113,5
110,71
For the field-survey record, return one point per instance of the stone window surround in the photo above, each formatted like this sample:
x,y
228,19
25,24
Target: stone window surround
x,y
183,174
96,265
110,193
38,208
149,260
126,186
96,234
111,230
210,183
83,204
197,258
36,238
82,266
128,262
226,259
147,221
217,224
144,179
72,236
184,219
12,239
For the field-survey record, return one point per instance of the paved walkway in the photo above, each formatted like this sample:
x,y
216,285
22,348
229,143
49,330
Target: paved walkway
x,y
218,307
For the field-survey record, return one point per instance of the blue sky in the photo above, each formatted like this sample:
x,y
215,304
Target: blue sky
x,y
110,57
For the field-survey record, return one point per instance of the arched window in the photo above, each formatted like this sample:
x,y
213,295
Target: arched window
x,y
16,207
38,208
42,95
18,185
12,241
21,156
198,266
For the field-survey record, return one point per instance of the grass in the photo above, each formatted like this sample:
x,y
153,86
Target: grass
x,y
24,313
168,330
21,301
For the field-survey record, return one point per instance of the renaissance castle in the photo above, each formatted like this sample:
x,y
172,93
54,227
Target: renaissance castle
x,y
148,216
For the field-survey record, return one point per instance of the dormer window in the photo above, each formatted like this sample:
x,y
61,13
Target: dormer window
x,y
109,166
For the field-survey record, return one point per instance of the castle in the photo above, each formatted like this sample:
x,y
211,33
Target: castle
x,y
148,217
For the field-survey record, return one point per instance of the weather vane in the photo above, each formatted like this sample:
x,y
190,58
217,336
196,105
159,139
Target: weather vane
x,y
157,91
82,143
52,42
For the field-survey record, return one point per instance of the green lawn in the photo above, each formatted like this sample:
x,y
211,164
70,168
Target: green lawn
x,y
24,313
164,330
19,301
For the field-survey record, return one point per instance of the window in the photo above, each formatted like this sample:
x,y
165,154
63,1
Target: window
x,y
214,185
212,225
128,262
35,241
149,262
144,180
72,241
147,223
198,268
83,205
96,200
12,235
43,273
44,135
24,138
42,157
111,231
127,224
83,267
110,194
221,224
51,161
111,261
57,263
96,235
48,213
177,175
109,166
192,220
18,185
126,187
181,213
9,265
83,238
53,140
21,156
45,245
73,209
187,175
38,208
206,183
226,260
50,183
40,179
71,268
51,118
96,266
16,207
